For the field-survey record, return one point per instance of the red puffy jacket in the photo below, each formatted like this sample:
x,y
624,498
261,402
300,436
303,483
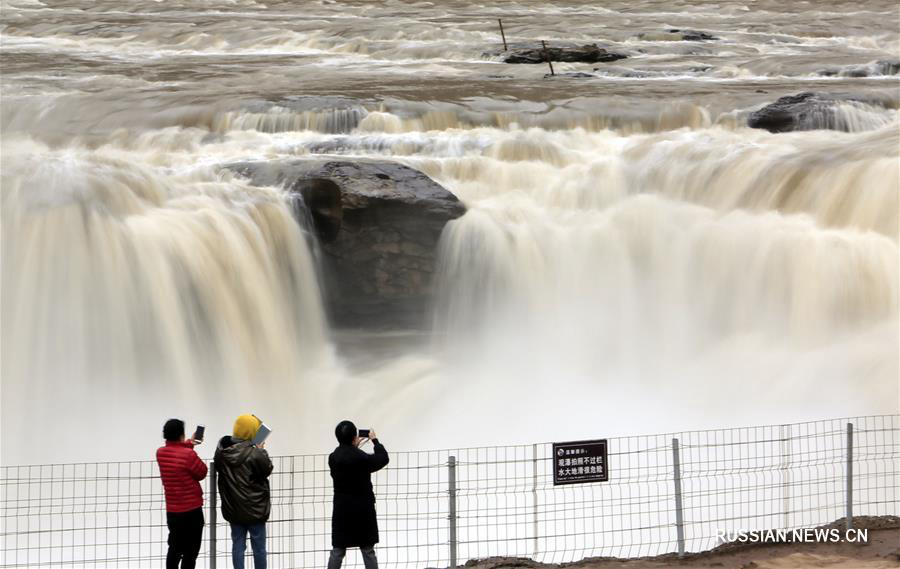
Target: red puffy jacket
x,y
181,471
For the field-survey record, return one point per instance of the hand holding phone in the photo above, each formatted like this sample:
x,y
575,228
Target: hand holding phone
x,y
198,434
261,435
364,433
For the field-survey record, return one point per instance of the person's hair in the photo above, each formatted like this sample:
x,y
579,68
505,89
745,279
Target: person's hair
x,y
173,430
345,432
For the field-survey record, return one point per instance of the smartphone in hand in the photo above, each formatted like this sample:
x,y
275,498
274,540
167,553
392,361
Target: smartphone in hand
x,y
364,433
198,434
261,435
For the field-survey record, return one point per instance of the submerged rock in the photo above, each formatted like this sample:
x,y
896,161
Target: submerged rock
x,y
885,67
572,74
331,114
693,35
811,111
677,35
378,224
874,69
571,53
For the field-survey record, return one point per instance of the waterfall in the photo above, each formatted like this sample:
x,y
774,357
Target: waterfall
x,y
121,279
662,271
634,257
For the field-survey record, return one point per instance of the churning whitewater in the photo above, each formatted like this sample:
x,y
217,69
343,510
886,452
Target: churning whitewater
x,y
633,256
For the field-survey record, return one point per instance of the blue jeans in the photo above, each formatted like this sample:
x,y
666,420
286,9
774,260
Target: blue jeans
x,y
257,542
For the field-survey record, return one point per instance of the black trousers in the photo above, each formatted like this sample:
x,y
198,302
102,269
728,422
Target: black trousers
x,y
185,535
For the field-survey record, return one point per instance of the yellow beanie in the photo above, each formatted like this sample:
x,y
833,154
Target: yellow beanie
x,y
245,427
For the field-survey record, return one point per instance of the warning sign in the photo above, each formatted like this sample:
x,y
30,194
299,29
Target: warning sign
x,y
579,462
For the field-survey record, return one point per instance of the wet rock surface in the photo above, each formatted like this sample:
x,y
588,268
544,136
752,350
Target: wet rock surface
x,y
570,74
676,34
807,111
874,69
378,224
532,53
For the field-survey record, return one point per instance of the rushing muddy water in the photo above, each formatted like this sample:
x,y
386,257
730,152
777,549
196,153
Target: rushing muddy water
x,y
633,259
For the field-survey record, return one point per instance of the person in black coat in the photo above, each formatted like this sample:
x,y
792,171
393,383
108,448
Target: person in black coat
x,y
353,522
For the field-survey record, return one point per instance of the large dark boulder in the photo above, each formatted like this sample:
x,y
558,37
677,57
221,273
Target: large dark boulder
x,y
811,111
535,53
378,224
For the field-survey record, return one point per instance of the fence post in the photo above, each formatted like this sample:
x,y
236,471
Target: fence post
x,y
786,475
679,516
451,465
849,476
212,515
534,476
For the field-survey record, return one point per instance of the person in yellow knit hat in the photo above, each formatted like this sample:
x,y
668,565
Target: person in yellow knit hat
x,y
246,426
244,468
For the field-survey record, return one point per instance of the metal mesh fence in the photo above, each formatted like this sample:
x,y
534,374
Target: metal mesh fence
x,y
437,508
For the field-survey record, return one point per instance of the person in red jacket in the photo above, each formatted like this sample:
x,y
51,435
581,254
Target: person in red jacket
x,y
181,471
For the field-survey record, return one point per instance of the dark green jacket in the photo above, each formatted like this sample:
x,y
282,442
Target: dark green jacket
x,y
243,471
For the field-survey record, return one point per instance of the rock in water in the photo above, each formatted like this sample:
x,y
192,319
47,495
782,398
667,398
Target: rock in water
x,y
592,53
694,35
811,111
378,224
878,68
677,35
888,67
571,75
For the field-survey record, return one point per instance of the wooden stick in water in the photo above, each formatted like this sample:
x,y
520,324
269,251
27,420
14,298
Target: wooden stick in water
x,y
547,57
502,34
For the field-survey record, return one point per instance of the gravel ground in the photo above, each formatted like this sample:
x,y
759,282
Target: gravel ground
x,y
881,552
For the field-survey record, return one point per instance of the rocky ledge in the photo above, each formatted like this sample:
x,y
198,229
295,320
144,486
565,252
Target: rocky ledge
x,y
880,68
378,224
811,111
572,53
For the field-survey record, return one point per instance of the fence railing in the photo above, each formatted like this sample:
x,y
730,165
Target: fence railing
x,y
666,493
